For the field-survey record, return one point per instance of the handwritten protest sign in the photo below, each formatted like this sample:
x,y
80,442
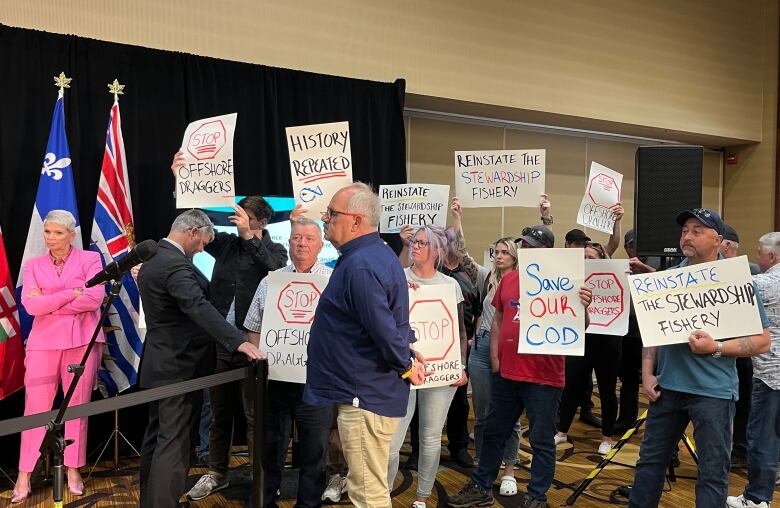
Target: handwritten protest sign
x,y
499,177
487,256
206,178
433,315
717,297
611,304
552,319
320,162
289,311
602,192
413,204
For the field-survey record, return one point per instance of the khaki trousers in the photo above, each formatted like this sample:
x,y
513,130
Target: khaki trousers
x,y
365,440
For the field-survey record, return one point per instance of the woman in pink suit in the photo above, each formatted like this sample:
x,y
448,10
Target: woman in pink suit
x,y
65,314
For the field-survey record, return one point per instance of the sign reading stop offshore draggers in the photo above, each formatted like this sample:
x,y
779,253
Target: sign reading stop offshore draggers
x,y
433,315
611,304
289,311
206,178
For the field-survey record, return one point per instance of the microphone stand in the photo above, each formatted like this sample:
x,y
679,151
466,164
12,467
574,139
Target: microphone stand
x,y
54,441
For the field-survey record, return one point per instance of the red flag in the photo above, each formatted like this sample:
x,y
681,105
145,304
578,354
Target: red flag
x,y
11,347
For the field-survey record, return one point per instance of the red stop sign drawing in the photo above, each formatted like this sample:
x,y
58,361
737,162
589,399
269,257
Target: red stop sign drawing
x,y
604,187
297,302
607,305
434,327
207,140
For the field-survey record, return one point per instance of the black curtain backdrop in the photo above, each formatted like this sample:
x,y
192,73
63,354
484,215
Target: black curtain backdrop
x,y
164,92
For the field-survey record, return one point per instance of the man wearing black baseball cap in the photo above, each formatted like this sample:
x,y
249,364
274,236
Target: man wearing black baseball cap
x,y
536,237
576,238
694,382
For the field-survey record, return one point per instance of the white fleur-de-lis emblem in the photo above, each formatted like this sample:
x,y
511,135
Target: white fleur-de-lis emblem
x,y
52,166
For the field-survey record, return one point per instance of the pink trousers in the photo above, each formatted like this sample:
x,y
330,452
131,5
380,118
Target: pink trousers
x,y
45,371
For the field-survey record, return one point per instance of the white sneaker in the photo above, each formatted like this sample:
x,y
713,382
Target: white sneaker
x,y
419,504
605,448
561,439
337,485
740,502
207,485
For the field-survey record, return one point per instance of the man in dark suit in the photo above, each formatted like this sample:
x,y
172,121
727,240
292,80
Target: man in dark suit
x,y
182,328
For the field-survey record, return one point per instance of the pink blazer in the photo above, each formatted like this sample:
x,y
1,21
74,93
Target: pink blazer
x,y
62,321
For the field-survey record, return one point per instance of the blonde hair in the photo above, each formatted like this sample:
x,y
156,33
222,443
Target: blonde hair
x,y
495,274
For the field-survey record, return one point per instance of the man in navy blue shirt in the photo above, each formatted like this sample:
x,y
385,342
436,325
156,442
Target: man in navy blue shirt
x,y
359,355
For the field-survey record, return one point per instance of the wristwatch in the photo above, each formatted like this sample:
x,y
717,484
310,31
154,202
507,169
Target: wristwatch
x,y
719,351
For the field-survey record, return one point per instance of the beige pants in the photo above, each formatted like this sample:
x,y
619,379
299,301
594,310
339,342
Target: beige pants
x,y
365,440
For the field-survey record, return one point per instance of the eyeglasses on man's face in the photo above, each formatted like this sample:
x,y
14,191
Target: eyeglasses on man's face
x,y
330,213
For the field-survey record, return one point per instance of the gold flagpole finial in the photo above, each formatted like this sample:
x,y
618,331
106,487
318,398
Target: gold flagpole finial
x,y
62,82
116,89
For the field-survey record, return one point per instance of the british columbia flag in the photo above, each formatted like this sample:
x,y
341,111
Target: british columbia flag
x,y
113,236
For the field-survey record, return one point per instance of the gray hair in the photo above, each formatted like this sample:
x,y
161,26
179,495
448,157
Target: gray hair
x,y
770,242
63,218
305,221
437,243
364,201
193,219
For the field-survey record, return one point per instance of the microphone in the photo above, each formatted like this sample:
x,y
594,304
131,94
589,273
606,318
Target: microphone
x,y
140,253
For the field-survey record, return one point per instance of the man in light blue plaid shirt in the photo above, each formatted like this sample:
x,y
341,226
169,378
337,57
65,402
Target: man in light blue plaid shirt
x,y
763,433
285,400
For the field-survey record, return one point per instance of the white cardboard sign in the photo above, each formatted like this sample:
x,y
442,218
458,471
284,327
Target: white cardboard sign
x,y
413,204
433,315
320,163
206,178
289,311
499,177
611,304
551,316
601,192
717,297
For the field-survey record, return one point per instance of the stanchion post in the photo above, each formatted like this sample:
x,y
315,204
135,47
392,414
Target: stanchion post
x,y
258,374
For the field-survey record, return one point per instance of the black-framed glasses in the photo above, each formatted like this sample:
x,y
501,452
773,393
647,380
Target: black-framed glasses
x,y
330,213
419,243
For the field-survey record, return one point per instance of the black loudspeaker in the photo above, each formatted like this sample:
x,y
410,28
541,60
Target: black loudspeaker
x,y
668,180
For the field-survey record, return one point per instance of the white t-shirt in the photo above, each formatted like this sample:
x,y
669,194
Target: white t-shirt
x,y
439,278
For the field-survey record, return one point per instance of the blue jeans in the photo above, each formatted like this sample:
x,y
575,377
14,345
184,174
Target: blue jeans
x,y
763,440
666,421
434,403
479,375
507,400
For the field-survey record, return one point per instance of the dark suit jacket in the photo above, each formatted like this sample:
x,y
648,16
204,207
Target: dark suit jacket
x,y
181,323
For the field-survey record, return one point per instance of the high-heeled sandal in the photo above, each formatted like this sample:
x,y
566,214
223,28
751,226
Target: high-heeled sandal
x,y
76,490
18,497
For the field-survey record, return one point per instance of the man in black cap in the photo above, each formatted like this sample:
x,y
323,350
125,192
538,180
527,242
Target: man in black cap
x,y
729,247
576,238
693,383
536,237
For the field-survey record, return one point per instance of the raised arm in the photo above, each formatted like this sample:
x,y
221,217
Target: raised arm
x,y
614,238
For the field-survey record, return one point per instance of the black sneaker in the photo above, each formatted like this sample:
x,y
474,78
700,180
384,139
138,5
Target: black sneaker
x,y
471,495
528,502
588,418
462,458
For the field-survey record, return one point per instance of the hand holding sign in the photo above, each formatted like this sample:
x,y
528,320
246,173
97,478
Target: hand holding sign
x,y
702,343
299,212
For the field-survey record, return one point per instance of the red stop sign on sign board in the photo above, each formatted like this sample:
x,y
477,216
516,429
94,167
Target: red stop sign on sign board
x,y
434,327
607,304
604,184
207,140
297,302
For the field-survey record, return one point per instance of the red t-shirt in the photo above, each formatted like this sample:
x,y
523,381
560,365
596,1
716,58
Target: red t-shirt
x,y
542,369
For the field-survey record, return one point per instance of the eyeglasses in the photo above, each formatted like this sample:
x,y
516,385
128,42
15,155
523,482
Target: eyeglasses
x,y
330,213
419,243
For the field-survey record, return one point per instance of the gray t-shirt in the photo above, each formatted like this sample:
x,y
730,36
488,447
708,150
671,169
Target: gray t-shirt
x,y
439,278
